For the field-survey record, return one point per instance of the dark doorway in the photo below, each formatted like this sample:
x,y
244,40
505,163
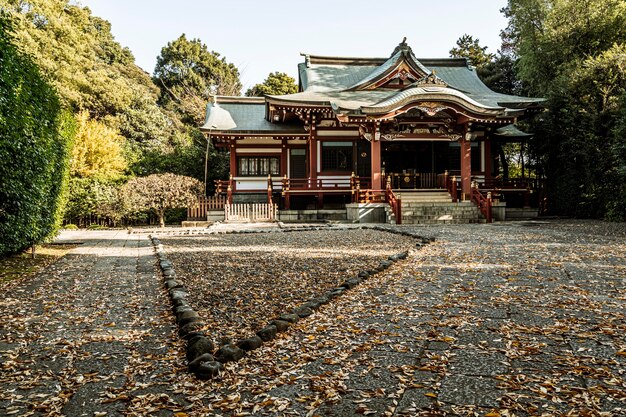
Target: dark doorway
x,y
363,159
297,163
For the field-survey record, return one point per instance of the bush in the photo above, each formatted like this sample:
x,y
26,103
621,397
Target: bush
x,y
35,140
70,226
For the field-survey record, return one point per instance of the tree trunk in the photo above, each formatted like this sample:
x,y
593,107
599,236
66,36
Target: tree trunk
x,y
504,162
161,214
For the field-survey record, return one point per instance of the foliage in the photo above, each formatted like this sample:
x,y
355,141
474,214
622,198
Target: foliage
x,y
91,197
276,83
500,75
187,72
578,138
35,139
97,150
160,192
616,207
468,47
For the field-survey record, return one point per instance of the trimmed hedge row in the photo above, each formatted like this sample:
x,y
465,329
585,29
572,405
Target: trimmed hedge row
x,y
35,139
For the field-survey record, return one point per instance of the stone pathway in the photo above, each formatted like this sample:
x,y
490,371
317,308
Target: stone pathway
x,y
523,319
92,327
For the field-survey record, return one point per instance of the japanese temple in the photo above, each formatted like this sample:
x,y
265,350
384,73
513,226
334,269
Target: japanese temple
x,y
383,132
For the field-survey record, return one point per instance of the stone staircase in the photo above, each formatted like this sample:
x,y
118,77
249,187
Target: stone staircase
x,y
435,207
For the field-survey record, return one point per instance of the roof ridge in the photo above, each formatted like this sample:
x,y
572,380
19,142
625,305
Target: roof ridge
x,y
240,99
343,60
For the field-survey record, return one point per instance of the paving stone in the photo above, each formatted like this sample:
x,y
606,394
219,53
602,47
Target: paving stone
x,y
475,362
476,390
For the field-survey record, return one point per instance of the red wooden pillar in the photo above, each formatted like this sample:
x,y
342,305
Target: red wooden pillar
x,y
466,167
313,152
488,158
233,164
375,160
284,154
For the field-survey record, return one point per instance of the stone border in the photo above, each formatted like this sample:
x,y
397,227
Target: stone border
x,y
203,359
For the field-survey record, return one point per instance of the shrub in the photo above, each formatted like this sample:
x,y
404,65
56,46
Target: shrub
x,y
35,137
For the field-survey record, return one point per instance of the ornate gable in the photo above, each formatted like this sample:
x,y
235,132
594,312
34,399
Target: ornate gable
x,y
400,71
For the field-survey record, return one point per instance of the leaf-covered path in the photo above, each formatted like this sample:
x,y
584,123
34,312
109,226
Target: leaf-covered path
x,y
524,319
88,335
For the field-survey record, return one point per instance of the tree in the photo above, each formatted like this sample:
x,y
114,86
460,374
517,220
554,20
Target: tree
x,y
93,197
276,83
500,75
160,192
34,149
468,47
186,72
97,150
572,52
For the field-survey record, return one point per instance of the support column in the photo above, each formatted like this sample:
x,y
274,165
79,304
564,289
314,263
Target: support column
x,y
233,164
284,154
488,159
376,159
313,151
466,166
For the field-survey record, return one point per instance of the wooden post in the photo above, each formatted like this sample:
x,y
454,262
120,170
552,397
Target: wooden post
x,y
375,160
312,150
284,154
286,192
454,190
466,167
233,166
489,208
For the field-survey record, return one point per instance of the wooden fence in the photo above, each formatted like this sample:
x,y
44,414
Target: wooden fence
x,y
199,211
250,212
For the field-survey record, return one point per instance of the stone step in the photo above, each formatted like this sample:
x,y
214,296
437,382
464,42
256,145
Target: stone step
x,y
453,221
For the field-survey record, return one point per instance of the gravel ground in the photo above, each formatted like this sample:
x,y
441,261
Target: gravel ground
x,y
238,282
514,319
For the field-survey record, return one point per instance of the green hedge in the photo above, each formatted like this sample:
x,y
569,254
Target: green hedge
x,y
35,137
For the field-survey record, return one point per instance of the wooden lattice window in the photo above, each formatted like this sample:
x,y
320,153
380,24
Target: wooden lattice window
x,y
337,156
258,166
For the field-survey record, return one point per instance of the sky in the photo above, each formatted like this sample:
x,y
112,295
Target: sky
x,y
264,36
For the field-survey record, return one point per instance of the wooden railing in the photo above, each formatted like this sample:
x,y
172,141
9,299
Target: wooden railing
x,y
512,183
451,183
225,187
416,181
204,204
394,202
483,202
250,212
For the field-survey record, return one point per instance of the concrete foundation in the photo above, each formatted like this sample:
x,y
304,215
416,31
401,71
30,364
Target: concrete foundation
x,y
366,212
521,213
498,211
311,215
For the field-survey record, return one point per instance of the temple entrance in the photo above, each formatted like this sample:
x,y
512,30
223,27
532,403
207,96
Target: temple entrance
x,y
415,164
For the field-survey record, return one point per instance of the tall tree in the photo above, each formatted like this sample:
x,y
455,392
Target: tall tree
x,y
34,148
468,47
276,83
187,72
97,151
572,52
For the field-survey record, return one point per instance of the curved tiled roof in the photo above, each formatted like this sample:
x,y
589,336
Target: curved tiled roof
x,y
348,86
440,94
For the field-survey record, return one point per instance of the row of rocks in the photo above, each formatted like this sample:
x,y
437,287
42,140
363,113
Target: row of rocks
x,y
208,231
203,358
199,347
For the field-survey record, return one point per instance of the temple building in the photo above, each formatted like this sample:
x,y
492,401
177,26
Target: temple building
x,y
370,131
